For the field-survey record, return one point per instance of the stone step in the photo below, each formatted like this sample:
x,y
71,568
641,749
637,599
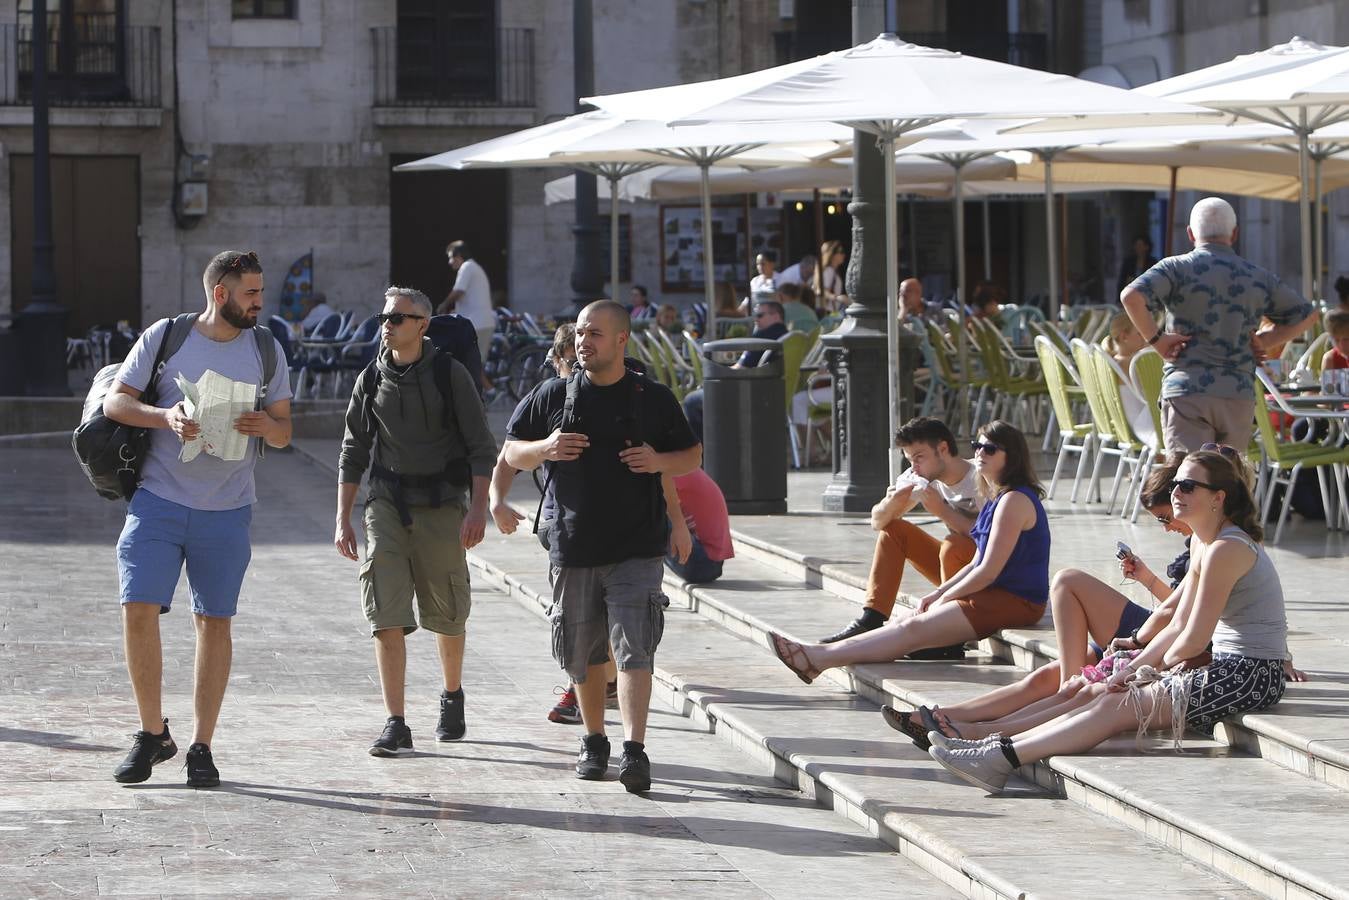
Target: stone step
x,y
833,746
1306,732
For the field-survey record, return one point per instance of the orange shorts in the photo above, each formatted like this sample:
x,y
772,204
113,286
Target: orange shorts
x,y
994,609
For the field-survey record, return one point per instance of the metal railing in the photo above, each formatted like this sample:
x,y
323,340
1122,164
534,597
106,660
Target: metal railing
x,y
421,68
93,62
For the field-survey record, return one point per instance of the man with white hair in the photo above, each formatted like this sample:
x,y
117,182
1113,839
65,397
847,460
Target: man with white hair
x,y
1213,301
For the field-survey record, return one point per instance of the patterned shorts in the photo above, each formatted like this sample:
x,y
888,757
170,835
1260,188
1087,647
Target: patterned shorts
x,y
1229,685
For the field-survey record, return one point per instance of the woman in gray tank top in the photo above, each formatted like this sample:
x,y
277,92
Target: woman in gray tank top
x,y
1231,596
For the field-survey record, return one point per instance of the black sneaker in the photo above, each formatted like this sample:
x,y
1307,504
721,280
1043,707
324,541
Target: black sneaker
x,y
395,741
201,770
593,761
451,724
634,771
869,620
954,651
147,751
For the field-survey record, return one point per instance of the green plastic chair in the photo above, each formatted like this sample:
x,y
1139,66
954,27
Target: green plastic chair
x,y
1074,437
795,346
1285,460
695,354
1011,395
1311,357
1104,440
1132,451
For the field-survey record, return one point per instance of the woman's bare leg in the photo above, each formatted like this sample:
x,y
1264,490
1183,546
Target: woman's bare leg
x,y
1083,607
1108,715
1010,698
942,625
1071,697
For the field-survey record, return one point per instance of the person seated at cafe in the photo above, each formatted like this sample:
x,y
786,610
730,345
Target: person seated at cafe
x,y
829,291
640,307
798,315
768,324
1337,326
667,318
316,309
987,302
1342,291
728,304
1123,342
765,282
802,272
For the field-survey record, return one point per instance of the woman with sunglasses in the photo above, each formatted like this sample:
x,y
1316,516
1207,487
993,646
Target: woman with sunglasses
x,y
1231,597
1005,586
1090,618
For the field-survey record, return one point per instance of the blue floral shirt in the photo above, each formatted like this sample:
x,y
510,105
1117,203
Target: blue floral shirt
x,y
1218,299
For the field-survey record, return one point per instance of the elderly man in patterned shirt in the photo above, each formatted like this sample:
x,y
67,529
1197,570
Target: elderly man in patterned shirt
x,y
1214,302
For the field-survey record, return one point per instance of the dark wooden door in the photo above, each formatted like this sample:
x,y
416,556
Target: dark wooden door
x,y
447,50
429,209
95,225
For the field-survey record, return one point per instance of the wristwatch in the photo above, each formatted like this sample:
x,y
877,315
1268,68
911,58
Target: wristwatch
x,y
1157,337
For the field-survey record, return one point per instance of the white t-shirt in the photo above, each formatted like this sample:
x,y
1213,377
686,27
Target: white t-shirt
x,y
476,304
790,275
962,496
833,282
762,284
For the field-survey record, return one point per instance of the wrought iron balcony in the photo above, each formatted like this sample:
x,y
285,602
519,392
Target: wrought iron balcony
x,y
94,61
423,68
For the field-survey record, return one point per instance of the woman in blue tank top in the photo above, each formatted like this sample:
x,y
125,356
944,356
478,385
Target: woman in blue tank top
x,y
1230,596
1005,586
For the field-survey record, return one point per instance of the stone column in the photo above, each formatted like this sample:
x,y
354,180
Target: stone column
x,y
587,277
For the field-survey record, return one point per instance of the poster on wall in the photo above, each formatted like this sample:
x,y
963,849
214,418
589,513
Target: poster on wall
x,y
681,240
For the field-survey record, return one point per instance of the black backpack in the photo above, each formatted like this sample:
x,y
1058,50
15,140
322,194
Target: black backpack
x,y
455,335
111,453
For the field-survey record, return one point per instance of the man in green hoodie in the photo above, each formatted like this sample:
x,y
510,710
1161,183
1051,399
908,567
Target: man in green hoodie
x,y
416,422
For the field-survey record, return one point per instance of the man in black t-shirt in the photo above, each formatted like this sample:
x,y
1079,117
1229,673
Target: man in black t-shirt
x,y
608,533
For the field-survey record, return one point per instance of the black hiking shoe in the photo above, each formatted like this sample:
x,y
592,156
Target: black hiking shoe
x,y
634,769
451,724
869,620
147,751
396,739
201,770
954,651
593,761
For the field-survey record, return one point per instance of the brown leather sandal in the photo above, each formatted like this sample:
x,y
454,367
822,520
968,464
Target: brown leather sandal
x,y
794,657
903,723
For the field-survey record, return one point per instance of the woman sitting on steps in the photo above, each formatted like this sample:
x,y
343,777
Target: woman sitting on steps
x,y
1005,586
1231,597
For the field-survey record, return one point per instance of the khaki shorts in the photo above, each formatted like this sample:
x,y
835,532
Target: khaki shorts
x,y
993,609
426,561
1191,421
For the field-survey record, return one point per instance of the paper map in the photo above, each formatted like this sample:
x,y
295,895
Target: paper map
x,y
214,402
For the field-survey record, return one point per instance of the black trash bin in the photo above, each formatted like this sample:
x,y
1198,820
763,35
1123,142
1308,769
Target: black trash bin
x,y
11,372
745,429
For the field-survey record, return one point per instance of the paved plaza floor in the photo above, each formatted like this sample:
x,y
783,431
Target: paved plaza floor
x,y
303,810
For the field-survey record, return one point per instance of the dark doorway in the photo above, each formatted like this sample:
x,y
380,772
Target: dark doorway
x,y
427,210
95,220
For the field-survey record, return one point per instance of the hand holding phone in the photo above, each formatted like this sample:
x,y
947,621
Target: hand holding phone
x,y
1122,550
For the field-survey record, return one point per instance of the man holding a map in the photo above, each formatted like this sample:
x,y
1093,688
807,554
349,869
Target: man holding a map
x,y
196,496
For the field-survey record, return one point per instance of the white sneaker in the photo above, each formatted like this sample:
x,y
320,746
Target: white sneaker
x,y
986,767
940,740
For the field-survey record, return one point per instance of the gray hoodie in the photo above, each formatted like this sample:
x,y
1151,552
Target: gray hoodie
x,y
416,435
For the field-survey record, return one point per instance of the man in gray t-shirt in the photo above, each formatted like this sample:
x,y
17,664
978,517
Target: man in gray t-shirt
x,y
196,512
1214,303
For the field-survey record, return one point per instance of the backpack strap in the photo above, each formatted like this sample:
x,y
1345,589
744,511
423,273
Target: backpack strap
x,y
267,352
175,335
568,422
442,365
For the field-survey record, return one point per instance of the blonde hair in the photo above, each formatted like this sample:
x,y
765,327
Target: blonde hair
x,y
827,251
1120,325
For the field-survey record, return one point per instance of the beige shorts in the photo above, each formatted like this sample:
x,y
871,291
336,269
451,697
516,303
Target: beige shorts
x,y
1191,421
425,562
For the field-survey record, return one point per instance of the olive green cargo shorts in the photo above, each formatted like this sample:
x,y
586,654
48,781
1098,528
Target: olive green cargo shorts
x,y
425,561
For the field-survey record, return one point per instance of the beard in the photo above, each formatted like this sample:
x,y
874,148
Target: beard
x,y
237,316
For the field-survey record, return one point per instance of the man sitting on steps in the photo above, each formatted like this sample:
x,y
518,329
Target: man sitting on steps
x,y
948,488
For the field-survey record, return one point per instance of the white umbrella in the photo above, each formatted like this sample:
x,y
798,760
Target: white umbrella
x,y
1300,86
889,88
613,147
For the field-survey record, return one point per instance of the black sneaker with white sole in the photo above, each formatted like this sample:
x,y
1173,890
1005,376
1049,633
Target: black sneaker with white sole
x,y
634,770
593,760
451,726
396,739
201,770
147,751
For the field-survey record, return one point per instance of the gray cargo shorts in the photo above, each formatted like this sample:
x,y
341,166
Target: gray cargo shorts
x,y
595,607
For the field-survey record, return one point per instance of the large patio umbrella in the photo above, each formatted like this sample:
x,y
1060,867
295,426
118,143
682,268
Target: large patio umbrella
x,y
614,147
1300,86
889,87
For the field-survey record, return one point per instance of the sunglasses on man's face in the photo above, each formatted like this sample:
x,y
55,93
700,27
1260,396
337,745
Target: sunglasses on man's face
x,y
1187,485
395,319
987,448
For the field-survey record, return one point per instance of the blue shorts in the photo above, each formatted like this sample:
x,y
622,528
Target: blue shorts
x,y
160,535
1130,620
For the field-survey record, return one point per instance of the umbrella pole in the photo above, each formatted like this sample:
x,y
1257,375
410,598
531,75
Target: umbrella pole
x,y
1052,231
709,290
613,234
891,293
962,338
1318,262
1304,175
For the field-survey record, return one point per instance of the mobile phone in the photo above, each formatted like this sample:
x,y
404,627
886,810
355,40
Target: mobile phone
x,y
1122,550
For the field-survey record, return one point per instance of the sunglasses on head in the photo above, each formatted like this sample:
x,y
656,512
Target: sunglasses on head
x,y
1187,485
396,318
238,263
989,449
